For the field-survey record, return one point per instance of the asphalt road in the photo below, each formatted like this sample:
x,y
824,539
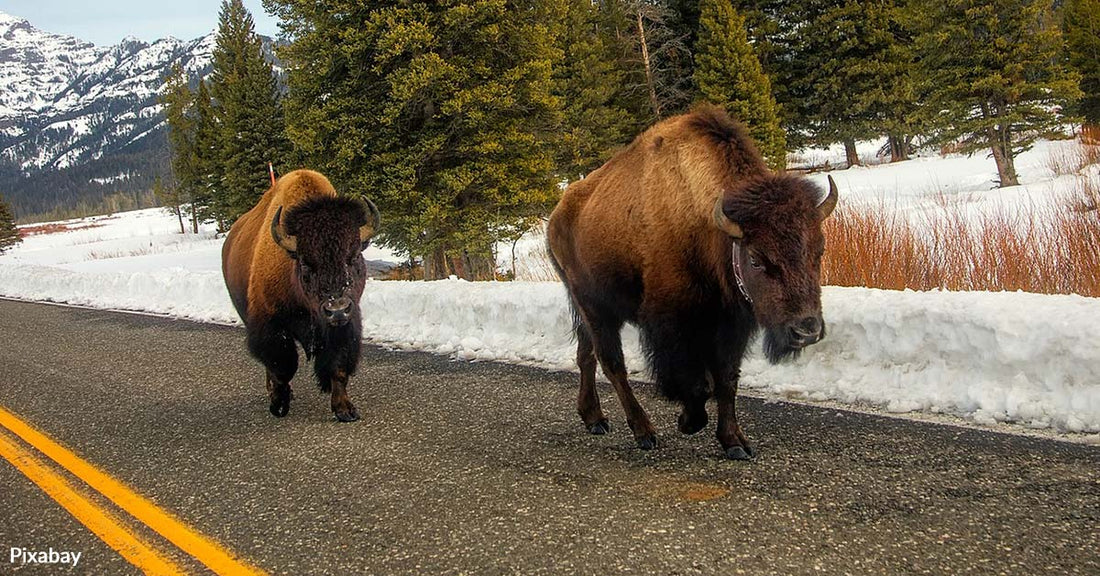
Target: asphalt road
x,y
485,468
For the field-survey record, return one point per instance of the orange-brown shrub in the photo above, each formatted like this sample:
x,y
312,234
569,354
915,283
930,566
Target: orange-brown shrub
x,y
1072,159
1033,251
53,228
1090,134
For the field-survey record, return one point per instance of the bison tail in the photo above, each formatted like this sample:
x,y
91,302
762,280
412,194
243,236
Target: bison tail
x,y
578,324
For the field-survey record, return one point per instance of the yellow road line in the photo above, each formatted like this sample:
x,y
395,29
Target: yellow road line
x,y
98,520
210,553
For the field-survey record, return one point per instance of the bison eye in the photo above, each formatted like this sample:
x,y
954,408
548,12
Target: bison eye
x,y
755,262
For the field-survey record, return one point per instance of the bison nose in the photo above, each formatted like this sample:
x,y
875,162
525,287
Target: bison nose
x,y
806,331
337,310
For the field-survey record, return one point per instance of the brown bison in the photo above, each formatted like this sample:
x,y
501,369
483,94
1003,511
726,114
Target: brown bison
x,y
689,236
295,272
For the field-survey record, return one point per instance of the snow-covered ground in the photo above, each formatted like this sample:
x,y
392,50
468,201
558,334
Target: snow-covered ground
x,y
985,357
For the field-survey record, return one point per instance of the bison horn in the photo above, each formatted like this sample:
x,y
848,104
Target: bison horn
x,y
374,219
288,243
733,229
827,205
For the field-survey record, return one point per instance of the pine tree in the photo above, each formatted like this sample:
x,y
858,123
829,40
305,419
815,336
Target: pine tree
x,y
839,69
841,73
208,201
995,72
9,234
441,112
596,116
1081,22
659,64
180,110
248,113
169,198
727,73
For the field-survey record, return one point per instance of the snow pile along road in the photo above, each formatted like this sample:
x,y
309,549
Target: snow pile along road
x,y
198,295
984,356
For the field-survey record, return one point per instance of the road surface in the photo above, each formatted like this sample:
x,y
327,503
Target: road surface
x,y
485,468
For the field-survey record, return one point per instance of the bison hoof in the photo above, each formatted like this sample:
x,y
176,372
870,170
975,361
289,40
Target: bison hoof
x,y
600,428
348,415
739,453
279,408
647,442
692,423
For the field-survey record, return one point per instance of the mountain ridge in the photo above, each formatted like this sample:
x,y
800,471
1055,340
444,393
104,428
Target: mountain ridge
x,y
79,122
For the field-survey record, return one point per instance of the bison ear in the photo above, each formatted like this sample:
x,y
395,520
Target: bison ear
x,y
829,203
288,243
731,228
368,229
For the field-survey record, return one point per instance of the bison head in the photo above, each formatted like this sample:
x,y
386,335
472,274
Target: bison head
x,y
325,237
774,223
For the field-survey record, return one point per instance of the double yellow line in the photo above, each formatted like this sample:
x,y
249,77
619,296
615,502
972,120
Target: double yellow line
x,y
101,521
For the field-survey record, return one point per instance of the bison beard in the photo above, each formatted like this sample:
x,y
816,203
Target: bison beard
x,y
777,345
689,236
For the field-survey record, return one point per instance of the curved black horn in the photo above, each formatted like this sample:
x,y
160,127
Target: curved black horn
x,y
288,243
374,220
829,203
733,229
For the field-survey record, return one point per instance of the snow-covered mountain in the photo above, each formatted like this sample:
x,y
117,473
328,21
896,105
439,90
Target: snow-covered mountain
x,y
77,115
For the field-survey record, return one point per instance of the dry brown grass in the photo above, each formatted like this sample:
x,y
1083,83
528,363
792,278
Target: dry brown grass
x,y
121,253
1063,160
536,266
1044,250
405,271
1090,134
1033,251
53,228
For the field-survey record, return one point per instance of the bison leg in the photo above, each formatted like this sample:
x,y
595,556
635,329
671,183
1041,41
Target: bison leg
x,y
333,367
609,351
280,394
279,355
341,405
730,435
588,401
693,417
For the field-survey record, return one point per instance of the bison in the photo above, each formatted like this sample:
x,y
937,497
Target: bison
x,y
295,272
689,236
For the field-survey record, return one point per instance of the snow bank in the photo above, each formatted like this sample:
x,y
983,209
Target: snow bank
x,y
1016,357
984,356
174,291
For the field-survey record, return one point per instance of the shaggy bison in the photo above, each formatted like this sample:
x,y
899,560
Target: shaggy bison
x,y
689,236
295,272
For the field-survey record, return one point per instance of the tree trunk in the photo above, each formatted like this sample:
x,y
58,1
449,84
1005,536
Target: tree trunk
x,y
514,243
899,147
850,152
1006,167
179,214
1000,143
436,266
478,266
650,82
194,220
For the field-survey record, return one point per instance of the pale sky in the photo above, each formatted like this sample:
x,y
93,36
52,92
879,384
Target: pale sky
x,y
105,22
